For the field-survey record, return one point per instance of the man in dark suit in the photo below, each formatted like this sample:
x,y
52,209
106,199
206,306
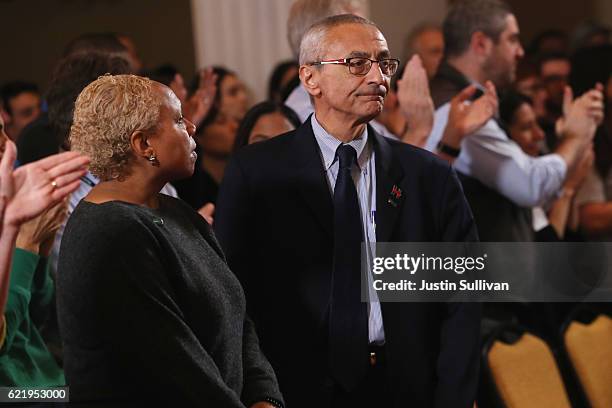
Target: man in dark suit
x,y
292,213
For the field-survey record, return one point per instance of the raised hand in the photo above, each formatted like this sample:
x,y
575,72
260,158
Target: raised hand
x,y
32,188
582,115
207,211
415,102
37,235
199,104
465,118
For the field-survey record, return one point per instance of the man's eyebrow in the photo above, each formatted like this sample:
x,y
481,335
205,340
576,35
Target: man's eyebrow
x,y
383,54
362,54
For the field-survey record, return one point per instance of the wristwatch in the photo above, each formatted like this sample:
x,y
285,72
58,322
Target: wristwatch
x,y
446,149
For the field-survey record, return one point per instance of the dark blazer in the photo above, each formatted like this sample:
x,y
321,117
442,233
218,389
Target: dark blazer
x,y
275,222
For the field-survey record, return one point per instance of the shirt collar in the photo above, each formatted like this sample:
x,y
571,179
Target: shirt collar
x,y
329,144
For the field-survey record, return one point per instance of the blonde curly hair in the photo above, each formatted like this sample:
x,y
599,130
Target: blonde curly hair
x,y
106,113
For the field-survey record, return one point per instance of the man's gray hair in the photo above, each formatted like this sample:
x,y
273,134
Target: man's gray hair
x,y
467,17
304,13
313,47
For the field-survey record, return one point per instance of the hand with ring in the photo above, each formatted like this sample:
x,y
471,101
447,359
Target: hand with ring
x,y
31,189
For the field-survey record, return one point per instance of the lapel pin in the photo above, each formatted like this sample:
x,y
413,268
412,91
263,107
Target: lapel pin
x,y
396,194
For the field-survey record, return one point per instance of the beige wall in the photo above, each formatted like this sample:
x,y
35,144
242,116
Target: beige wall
x,y
34,33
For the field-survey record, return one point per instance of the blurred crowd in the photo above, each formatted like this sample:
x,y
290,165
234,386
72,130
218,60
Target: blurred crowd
x,y
526,126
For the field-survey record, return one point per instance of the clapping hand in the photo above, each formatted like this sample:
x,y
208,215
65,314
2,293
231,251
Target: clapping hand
x,y
415,102
582,115
199,104
31,189
465,118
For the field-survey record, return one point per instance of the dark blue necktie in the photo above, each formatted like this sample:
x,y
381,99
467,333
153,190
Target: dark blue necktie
x,y
348,315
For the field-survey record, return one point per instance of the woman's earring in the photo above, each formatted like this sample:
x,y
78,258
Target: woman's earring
x,y
153,160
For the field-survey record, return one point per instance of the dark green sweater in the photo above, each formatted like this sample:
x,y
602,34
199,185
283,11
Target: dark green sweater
x,y
149,311
24,357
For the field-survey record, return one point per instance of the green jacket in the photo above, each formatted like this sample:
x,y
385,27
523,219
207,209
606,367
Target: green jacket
x,y
24,357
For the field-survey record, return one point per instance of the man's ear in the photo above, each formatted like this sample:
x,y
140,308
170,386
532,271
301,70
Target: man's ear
x,y
309,76
481,44
139,144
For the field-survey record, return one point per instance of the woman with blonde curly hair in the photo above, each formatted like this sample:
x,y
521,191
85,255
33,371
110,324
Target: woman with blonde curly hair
x,y
148,308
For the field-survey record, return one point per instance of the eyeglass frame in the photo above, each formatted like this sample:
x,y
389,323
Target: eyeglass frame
x,y
346,62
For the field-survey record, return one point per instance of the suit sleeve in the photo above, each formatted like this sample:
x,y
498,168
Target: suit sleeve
x,y
232,223
259,379
235,234
459,359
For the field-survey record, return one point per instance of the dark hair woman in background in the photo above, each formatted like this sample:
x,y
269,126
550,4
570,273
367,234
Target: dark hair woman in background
x,y
519,118
264,121
215,139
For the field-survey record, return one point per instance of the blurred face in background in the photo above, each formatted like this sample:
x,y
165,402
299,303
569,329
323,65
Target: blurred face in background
x,y
555,76
268,126
500,66
234,98
132,56
532,87
429,45
24,108
525,130
178,87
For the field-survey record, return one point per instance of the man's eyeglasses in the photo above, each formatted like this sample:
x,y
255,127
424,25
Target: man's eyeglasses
x,y
361,66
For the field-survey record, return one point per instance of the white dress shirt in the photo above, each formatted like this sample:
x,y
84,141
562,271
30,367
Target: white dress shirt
x,y
499,163
364,177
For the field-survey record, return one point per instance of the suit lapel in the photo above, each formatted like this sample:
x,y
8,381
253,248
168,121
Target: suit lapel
x,y
389,195
311,180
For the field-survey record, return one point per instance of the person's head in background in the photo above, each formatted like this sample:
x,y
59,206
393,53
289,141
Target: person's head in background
x,y
20,102
482,40
101,43
304,13
427,41
591,66
217,133
70,76
231,99
590,34
169,75
264,121
284,73
520,122
529,83
554,70
549,42
133,56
